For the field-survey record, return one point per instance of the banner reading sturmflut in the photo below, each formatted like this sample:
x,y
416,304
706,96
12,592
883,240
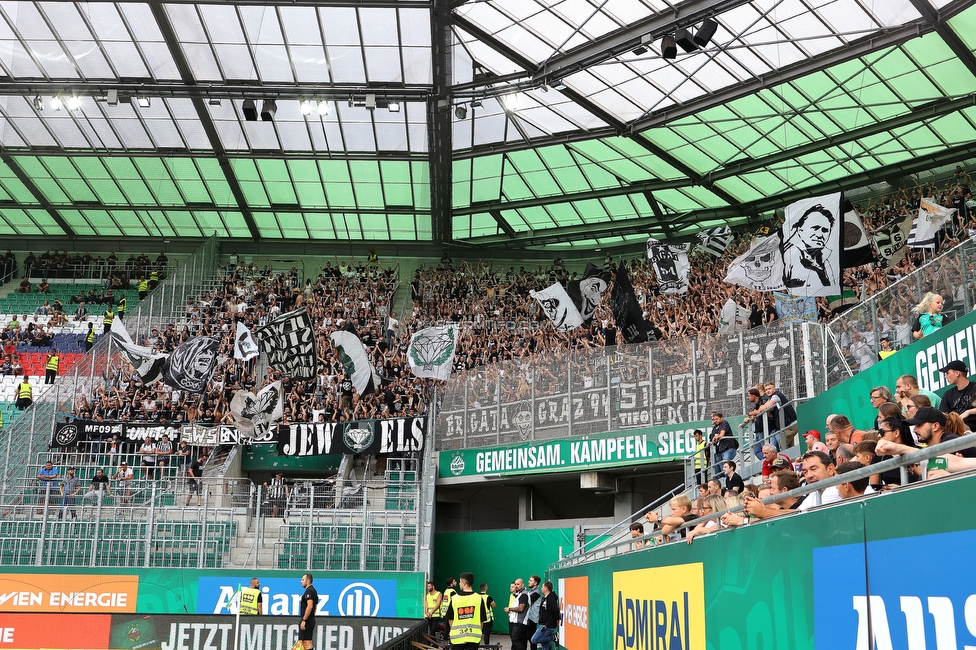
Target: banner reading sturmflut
x,y
290,344
389,436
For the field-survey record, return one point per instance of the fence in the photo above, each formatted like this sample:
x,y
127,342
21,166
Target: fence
x,y
164,304
666,382
856,335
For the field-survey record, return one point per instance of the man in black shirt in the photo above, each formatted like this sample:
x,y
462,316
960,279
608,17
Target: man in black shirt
x,y
193,476
733,482
548,617
929,423
307,607
959,399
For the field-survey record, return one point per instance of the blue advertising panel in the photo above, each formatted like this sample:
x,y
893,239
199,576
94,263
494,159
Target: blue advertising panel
x,y
281,596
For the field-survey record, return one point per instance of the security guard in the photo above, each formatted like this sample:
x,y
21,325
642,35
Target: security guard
x,y
90,337
123,306
489,605
251,598
448,593
153,279
702,457
466,616
432,607
51,369
25,394
107,320
142,287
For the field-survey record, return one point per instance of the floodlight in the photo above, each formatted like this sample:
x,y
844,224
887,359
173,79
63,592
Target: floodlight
x,y
38,103
250,110
112,97
214,101
394,107
57,102
323,108
143,102
510,102
268,110
74,103
306,107
460,112
476,103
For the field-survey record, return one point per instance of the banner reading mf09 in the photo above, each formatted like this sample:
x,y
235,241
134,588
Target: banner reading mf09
x,y
661,607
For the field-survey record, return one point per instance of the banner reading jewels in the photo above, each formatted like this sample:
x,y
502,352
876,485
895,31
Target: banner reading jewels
x,y
395,435
69,434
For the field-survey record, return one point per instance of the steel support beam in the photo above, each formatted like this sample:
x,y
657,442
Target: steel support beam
x,y
186,74
38,195
440,137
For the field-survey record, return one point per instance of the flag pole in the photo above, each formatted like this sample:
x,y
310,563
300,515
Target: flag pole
x,y
237,618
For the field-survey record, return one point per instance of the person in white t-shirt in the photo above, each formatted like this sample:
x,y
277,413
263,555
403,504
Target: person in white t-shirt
x,y
818,466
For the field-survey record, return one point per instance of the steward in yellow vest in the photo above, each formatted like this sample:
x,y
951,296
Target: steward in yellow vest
x,y
466,615
123,306
251,599
51,369
142,288
432,607
90,337
153,279
448,592
25,394
107,320
489,605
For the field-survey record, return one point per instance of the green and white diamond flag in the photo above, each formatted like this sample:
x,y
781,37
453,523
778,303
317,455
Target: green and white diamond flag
x,y
431,351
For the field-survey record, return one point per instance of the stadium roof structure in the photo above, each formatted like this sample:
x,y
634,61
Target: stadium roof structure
x,y
496,125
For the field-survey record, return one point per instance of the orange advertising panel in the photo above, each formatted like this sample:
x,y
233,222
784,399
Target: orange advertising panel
x,y
54,631
65,593
574,603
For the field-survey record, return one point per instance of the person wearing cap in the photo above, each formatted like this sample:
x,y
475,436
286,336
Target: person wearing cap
x,y
930,423
770,456
813,441
960,397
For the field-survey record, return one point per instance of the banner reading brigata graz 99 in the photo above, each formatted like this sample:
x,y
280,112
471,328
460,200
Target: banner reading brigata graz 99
x,y
190,632
809,581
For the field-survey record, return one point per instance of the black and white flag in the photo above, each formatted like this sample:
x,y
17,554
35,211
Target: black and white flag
x,y
626,310
931,218
587,292
289,343
431,351
891,239
811,246
760,268
714,241
245,348
559,307
856,243
190,365
733,318
670,265
148,364
354,358
254,414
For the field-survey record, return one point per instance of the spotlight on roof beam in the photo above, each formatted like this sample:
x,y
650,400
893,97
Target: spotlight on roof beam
x,y
74,103
394,107
57,102
268,110
250,110
475,103
705,32
214,101
306,107
112,97
645,42
669,49
460,112
143,102
683,38
510,102
38,103
323,108
640,51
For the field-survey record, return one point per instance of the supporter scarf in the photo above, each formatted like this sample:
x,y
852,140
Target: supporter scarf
x,y
431,351
289,343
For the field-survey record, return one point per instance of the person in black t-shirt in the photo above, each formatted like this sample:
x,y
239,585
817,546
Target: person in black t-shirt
x,y
309,603
733,482
959,399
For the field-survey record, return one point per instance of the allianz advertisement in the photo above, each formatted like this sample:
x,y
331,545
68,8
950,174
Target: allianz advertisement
x,y
646,445
363,594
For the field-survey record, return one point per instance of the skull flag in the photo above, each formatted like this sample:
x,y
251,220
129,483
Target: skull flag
x,y
759,269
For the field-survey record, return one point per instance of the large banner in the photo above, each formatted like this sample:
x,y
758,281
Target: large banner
x,y
724,591
390,436
652,444
290,344
191,632
164,591
69,434
957,340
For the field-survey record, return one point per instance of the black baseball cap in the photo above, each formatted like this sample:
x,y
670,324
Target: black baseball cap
x,y
955,365
928,414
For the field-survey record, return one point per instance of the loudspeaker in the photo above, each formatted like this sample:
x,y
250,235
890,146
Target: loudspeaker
x,y
668,48
250,110
683,38
705,32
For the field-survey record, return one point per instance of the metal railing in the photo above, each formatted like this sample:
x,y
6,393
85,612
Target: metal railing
x,y
569,393
898,462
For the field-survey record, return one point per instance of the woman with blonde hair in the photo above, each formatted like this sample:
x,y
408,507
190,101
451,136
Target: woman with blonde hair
x,y
929,316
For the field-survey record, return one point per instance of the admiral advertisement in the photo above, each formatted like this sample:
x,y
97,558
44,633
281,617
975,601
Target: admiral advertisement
x,y
189,632
662,607
394,435
653,444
